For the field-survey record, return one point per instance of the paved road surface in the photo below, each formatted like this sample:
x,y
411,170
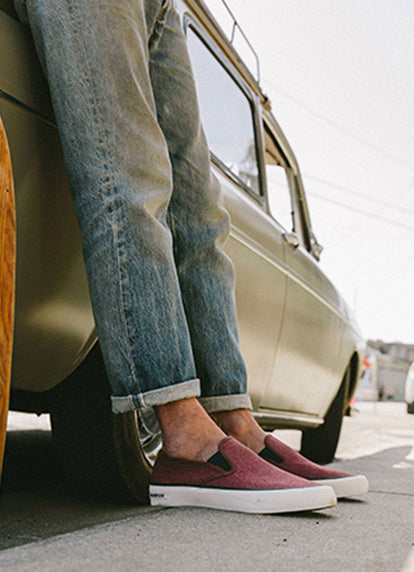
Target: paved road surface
x,y
45,527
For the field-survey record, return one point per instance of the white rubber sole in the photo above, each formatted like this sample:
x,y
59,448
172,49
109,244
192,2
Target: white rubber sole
x,y
252,501
351,486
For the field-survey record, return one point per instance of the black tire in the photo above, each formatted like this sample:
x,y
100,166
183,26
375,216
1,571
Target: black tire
x,y
410,407
320,444
101,454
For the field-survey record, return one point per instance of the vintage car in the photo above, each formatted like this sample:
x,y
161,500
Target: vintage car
x,y
302,347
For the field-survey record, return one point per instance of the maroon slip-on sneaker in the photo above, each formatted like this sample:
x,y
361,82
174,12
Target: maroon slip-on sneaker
x,y
284,457
234,479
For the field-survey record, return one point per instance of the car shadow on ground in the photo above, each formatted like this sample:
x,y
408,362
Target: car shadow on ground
x,y
36,502
29,463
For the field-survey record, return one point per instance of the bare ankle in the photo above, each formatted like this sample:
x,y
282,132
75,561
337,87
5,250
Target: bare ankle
x,y
187,431
240,424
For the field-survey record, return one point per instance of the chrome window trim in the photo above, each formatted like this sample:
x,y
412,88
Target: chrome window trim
x,y
292,174
238,182
260,197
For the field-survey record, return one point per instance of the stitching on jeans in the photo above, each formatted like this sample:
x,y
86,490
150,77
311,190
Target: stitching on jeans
x,y
94,102
159,23
162,11
171,218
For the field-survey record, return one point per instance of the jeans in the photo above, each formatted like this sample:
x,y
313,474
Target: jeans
x,y
150,210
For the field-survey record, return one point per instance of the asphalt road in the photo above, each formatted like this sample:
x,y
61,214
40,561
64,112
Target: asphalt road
x,y
46,527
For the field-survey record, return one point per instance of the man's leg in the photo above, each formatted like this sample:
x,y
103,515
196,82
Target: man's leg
x,y
200,227
96,59
199,224
95,56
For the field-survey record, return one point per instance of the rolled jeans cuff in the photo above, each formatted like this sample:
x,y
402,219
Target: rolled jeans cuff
x,y
226,402
155,397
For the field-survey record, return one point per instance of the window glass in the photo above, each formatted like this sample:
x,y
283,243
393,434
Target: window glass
x,y
278,190
226,113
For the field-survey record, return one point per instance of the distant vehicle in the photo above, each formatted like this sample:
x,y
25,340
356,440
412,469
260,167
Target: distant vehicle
x,y
302,347
367,386
409,390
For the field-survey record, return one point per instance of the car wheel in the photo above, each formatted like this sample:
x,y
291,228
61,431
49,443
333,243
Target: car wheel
x,y
320,444
101,453
410,407
7,281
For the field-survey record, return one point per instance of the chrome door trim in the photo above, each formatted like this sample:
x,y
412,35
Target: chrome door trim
x,y
255,247
10,98
281,419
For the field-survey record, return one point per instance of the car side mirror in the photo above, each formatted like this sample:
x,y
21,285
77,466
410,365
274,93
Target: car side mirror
x,y
317,251
316,248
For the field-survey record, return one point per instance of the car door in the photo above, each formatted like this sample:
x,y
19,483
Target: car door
x,y
304,377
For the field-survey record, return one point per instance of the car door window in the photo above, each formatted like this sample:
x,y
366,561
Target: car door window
x,y
278,189
227,114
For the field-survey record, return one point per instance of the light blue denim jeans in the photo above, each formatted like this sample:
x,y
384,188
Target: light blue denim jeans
x,y
149,208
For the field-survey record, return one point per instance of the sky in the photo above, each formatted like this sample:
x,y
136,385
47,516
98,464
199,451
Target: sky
x,y
340,76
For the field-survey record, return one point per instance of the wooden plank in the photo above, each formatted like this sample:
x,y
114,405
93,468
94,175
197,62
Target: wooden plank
x,y
7,281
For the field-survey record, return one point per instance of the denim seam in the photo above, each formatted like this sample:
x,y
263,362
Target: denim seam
x,y
171,218
159,24
93,103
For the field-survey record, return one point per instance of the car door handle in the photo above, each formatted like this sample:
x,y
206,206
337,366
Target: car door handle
x,y
291,239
